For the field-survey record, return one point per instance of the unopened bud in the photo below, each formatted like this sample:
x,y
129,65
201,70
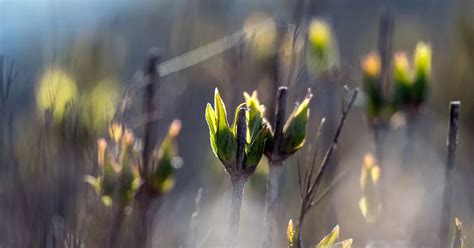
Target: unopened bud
x,y
371,65
402,69
294,132
422,59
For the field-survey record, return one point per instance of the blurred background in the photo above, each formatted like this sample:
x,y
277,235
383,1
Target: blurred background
x,y
92,51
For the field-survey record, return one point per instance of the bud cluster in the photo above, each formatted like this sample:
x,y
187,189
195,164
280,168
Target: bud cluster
x,y
260,137
224,138
410,82
119,161
119,177
322,45
370,202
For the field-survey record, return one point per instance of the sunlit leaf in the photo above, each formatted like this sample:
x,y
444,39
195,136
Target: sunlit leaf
x,y
329,240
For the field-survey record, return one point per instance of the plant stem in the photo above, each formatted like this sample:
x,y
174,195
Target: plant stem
x,y
238,179
237,194
275,168
451,145
409,147
144,201
273,183
117,221
150,106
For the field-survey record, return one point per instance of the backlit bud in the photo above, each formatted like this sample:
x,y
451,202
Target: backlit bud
x,y
402,69
294,132
371,65
422,59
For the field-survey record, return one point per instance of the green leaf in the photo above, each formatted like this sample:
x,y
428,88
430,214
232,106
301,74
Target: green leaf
x,y
236,114
294,132
221,112
256,148
211,120
227,145
329,240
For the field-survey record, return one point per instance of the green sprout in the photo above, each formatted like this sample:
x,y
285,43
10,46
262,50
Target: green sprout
x,y
166,162
411,82
328,241
239,147
293,135
224,138
119,177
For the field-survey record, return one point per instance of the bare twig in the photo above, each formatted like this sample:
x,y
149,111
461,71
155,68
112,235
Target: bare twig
x,y
454,107
150,133
309,198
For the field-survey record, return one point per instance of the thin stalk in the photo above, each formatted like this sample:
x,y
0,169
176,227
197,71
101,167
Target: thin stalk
x,y
238,180
450,159
150,134
275,167
310,198
273,184
144,201
237,194
409,147
193,237
117,221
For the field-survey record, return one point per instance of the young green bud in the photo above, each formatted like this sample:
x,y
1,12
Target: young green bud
x,y
371,76
223,142
370,204
330,239
422,68
255,114
320,39
294,132
162,178
291,234
402,69
223,138
422,59
403,80
119,177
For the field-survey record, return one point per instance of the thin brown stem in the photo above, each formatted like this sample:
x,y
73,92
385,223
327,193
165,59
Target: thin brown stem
x,y
333,145
309,198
